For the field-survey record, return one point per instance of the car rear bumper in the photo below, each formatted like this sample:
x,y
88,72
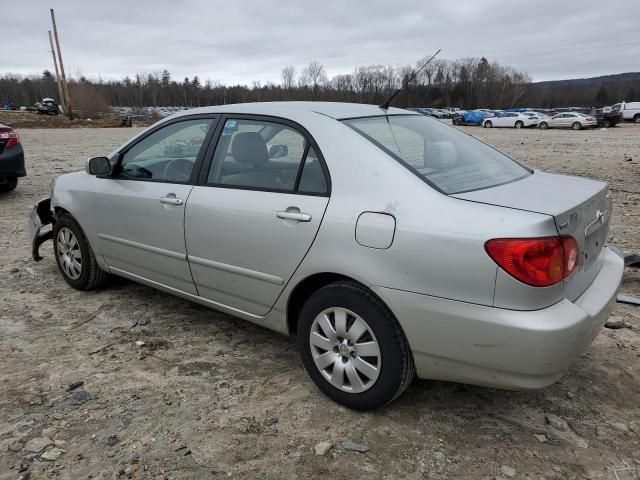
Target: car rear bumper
x,y
502,348
12,162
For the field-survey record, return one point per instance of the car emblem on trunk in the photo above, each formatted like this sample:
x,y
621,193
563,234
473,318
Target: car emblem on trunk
x,y
573,218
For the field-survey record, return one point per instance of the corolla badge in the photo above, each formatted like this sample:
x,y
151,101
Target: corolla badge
x,y
572,219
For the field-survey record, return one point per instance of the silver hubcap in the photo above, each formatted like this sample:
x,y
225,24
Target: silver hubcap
x,y
69,253
345,350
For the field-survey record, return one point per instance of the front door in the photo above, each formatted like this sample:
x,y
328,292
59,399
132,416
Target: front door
x,y
141,231
253,220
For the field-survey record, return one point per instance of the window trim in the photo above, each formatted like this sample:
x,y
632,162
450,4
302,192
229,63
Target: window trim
x,y
310,141
115,173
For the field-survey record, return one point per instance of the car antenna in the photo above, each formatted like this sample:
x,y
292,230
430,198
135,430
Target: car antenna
x,y
385,105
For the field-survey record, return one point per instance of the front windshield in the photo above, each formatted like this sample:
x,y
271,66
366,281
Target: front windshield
x,y
443,156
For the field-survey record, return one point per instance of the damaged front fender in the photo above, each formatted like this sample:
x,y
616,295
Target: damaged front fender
x,y
39,221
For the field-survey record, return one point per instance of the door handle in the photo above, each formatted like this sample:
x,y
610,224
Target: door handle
x,y
171,200
297,216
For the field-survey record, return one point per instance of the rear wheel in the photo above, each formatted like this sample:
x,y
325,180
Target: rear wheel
x,y
576,126
544,125
74,256
9,184
607,123
636,118
488,124
353,348
519,124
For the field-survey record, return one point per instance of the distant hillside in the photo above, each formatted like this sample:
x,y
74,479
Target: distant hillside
x,y
588,92
618,77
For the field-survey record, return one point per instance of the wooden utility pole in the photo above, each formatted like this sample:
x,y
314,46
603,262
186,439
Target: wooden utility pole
x,y
55,64
65,87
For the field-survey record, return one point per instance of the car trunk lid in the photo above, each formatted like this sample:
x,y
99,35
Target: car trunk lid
x,y
581,208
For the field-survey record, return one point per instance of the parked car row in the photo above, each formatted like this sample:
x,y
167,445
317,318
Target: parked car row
x,y
533,119
448,112
566,117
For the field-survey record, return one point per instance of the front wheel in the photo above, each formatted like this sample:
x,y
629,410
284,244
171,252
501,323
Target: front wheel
x,y
576,126
519,124
74,256
543,125
353,348
488,124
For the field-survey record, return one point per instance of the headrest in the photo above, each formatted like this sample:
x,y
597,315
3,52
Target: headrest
x,y
249,148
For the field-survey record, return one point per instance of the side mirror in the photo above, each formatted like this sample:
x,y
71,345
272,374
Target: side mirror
x,y
278,151
98,166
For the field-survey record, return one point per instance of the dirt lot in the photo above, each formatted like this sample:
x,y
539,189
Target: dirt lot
x,y
209,396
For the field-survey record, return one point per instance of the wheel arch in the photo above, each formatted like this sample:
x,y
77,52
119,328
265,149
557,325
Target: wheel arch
x,y
58,211
307,286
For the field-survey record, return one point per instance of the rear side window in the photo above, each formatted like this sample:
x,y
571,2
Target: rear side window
x,y
312,179
446,158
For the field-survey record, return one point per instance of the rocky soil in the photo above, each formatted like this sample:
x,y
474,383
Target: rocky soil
x,y
203,395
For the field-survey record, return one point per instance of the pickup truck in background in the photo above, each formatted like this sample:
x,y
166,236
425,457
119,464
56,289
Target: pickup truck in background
x,y
630,111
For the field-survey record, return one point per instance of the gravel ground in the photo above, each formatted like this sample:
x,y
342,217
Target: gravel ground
x,y
209,396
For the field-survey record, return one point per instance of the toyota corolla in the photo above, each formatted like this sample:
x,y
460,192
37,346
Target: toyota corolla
x,y
392,245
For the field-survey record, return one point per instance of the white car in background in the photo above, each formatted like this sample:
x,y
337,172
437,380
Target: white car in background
x,y
511,120
538,115
574,120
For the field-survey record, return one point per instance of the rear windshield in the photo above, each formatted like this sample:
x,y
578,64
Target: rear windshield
x,y
445,157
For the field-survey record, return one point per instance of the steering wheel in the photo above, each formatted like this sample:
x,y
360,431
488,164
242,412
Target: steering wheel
x,y
178,170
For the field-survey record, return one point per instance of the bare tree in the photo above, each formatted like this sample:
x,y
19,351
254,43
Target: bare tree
x,y
315,75
288,77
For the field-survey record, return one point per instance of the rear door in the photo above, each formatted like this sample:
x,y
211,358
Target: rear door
x,y
255,211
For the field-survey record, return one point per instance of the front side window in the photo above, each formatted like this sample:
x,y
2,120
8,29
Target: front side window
x,y
448,159
168,154
264,155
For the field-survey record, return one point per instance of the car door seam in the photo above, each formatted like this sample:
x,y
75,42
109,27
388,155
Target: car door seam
x,y
184,237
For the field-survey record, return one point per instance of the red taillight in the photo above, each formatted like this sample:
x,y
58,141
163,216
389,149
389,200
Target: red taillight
x,y
589,119
12,138
539,262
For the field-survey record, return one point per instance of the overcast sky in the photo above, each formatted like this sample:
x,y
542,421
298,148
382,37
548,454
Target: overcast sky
x,y
241,41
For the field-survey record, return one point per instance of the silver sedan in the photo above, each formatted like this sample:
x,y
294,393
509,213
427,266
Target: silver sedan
x,y
574,120
390,244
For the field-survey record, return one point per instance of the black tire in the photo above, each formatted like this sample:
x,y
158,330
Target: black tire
x,y
607,124
636,118
91,275
10,184
488,124
543,125
576,126
397,368
519,124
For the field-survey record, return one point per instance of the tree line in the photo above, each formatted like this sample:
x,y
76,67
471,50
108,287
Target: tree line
x,y
465,83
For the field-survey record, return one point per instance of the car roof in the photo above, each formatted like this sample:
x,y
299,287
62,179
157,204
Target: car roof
x,y
336,110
